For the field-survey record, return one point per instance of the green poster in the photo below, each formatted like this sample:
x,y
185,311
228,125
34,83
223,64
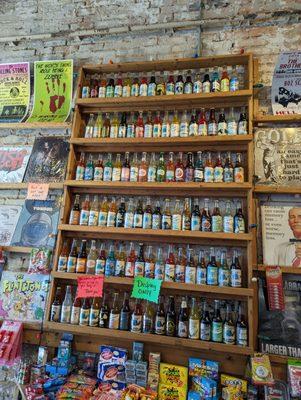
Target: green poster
x,y
52,91
146,288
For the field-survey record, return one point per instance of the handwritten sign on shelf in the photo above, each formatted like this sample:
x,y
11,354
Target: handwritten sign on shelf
x,y
146,288
37,191
89,286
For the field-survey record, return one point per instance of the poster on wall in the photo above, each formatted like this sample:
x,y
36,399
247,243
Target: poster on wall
x,y
37,224
14,91
13,163
281,234
286,85
9,215
278,156
53,82
23,296
48,160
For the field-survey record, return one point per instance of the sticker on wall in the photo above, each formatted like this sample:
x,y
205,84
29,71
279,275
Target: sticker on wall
x,y
14,91
52,91
286,86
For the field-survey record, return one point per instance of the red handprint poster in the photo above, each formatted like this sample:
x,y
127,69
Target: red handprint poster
x,y
52,91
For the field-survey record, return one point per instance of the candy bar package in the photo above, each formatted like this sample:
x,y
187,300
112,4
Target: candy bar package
x,y
112,354
170,392
294,377
111,372
173,375
200,367
261,370
278,391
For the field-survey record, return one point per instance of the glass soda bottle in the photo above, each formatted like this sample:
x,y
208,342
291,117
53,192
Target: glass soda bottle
x,y
94,312
139,126
206,220
190,272
194,321
228,169
72,257
136,318
212,125
143,167
229,327
222,124
209,170
175,125
75,212
116,172
202,124
217,219
223,271
160,318
239,173
201,270
179,169
149,263
199,168
125,171
80,168
148,128
180,267
212,270
205,325
108,169
91,259
170,266
85,211
66,306
98,126
103,212
130,262
114,317
98,170
94,212
170,168
125,313
159,265
217,324
89,127
225,81
182,328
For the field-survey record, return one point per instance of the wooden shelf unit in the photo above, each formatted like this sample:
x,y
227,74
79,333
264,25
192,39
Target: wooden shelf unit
x,y
35,125
241,143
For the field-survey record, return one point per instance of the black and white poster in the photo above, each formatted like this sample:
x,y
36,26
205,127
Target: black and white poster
x,y
286,85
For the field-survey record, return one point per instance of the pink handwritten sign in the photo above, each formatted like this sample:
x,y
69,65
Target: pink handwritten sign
x,y
37,191
89,286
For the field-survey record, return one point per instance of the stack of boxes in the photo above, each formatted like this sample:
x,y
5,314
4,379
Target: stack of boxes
x,y
64,362
203,379
111,366
136,369
154,360
173,382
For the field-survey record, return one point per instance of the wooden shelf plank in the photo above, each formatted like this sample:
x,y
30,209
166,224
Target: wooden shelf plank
x,y
232,142
277,189
16,249
285,270
23,185
170,102
36,125
169,236
147,338
217,290
280,119
275,359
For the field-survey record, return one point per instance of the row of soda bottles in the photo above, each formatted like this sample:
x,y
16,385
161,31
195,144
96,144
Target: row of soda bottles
x,y
193,321
135,125
205,168
181,216
183,268
159,83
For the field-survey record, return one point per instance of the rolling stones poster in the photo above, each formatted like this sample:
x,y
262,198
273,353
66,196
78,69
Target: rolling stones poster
x,y
14,91
13,163
53,82
278,156
286,85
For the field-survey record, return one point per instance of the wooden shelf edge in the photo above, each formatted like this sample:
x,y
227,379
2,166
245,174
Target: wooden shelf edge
x,y
23,185
241,292
275,359
148,338
277,189
35,125
156,233
16,249
285,270
281,119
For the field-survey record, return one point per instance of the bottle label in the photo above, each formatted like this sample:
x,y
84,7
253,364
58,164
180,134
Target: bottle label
x,y
212,128
139,131
151,174
212,273
91,265
143,89
174,130
234,84
111,219
122,131
151,90
134,174
206,224
206,87
124,320
159,271
209,174
228,174
165,129
120,268
129,269
199,175
55,313
184,129
65,314
183,329
126,91
110,267
116,175
242,336
107,174
102,218
81,265
97,131
138,220
80,171
84,217
100,267
169,275
94,317
229,334
197,87
194,328
232,128
190,275
149,269
85,92
186,222
75,311
114,131
225,85
188,88
84,316
136,323
179,87
118,91
238,174
235,277
217,223
180,273
62,264
114,321
195,223
205,331
71,264
202,130
110,91
93,218
223,277
242,128
120,220
128,220
222,128
176,222
130,131
166,222
148,130
170,327
156,221
157,130
216,86
103,319
139,268
142,173
147,221
170,175
98,174
239,225
147,324
193,129
217,331
160,325
228,224
201,275
102,91
135,89
170,88
179,174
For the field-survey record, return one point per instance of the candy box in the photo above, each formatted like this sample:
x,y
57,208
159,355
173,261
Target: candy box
x,y
111,372
197,396
204,386
173,375
261,370
200,367
170,392
232,393
112,354
228,380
